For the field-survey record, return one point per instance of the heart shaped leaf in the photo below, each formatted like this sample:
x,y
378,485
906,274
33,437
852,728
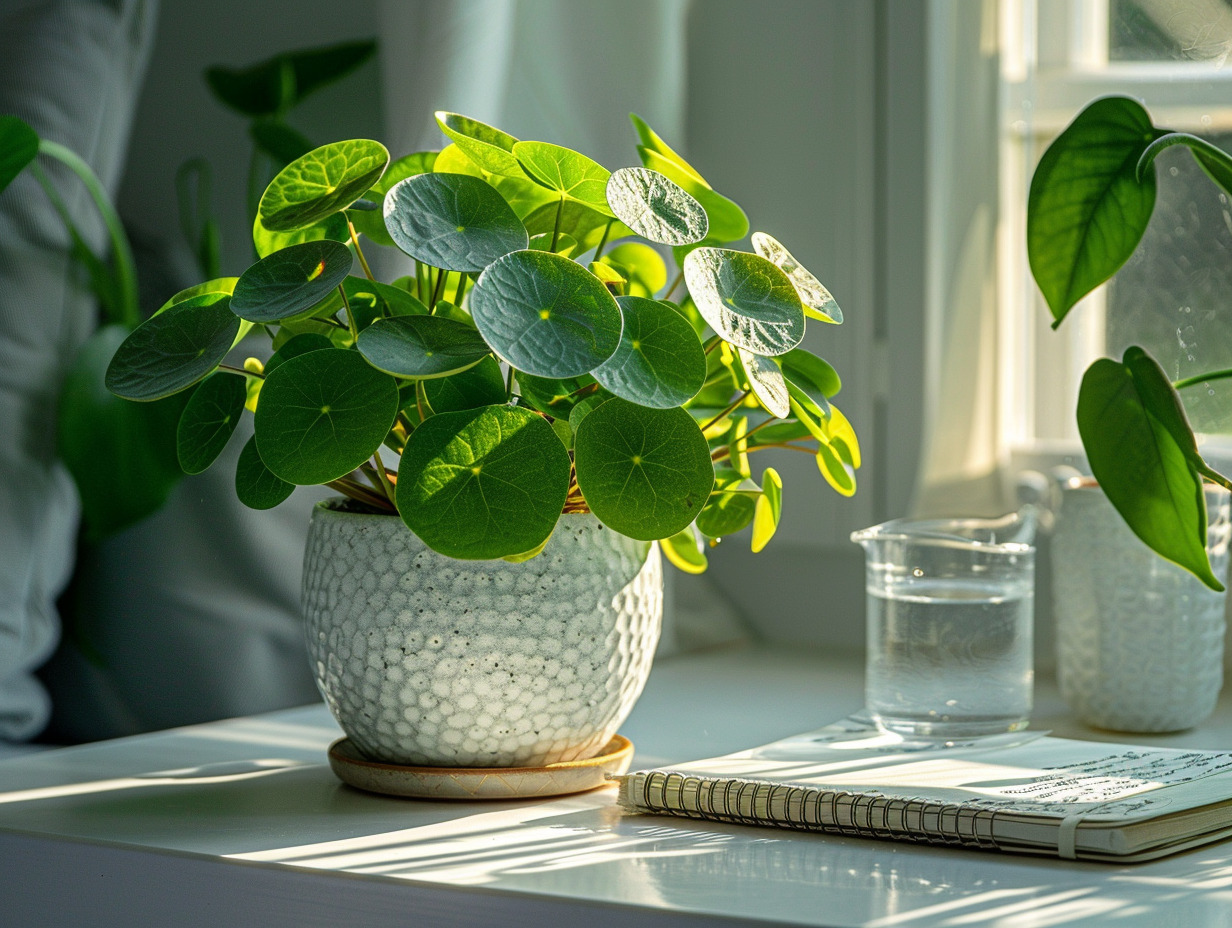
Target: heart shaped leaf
x,y
818,303
1143,454
655,208
1087,210
18,147
209,420
323,414
572,175
481,385
644,472
659,361
321,183
545,315
483,484
452,221
767,383
174,349
746,299
421,346
255,484
291,281
491,149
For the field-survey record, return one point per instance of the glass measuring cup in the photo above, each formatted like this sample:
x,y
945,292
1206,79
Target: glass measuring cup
x,y
950,622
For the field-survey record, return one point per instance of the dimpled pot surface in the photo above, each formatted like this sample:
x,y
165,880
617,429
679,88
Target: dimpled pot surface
x,y
430,661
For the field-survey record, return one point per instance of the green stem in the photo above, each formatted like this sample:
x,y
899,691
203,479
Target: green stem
x,y
346,304
724,452
422,281
438,289
359,492
122,252
734,404
241,371
359,252
675,284
376,473
560,213
603,241
712,343
509,384
1202,378
461,291
758,427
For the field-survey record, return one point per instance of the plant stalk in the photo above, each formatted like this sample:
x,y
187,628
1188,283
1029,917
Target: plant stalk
x,y
675,284
360,493
359,252
603,241
560,213
461,291
1202,378
438,289
351,325
731,408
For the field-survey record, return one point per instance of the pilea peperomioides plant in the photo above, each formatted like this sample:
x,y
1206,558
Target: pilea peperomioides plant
x,y
524,369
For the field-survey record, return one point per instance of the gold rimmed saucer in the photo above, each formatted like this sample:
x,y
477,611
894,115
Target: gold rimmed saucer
x,y
573,776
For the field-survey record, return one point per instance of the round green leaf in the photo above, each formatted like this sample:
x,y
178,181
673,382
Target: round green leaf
x,y
545,314
1087,210
747,300
655,208
767,383
421,346
814,375
571,174
818,303
372,222
323,414
659,362
209,420
726,513
255,484
483,484
174,349
491,149
452,221
481,385
18,146
221,285
644,472
291,281
320,183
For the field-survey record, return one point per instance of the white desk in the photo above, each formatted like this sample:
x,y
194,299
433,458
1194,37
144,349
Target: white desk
x,y
255,830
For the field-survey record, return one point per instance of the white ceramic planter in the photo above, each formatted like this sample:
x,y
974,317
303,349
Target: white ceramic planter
x,y
1139,640
427,660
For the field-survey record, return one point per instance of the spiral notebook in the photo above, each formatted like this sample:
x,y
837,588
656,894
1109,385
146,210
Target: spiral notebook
x,y
1023,792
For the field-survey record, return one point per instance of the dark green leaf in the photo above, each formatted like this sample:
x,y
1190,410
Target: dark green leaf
x,y
554,396
583,408
323,414
255,484
223,286
371,300
746,299
1086,210
121,454
421,346
578,221
1130,421
491,149
726,513
18,147
291,281
569,173
659,362
320,183
174,349
279,83
452,221
481,385
655,208
814,375
545,315
483,484
209,420
644,472
265,242
818,303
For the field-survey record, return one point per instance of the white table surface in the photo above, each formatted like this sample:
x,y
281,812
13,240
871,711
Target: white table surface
x,y
242,823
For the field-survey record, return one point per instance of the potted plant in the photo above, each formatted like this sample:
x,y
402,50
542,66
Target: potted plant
x,y
1140,642
511,428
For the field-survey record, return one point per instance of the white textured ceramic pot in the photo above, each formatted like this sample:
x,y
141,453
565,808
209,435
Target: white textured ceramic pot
x,y
1139,640
427,660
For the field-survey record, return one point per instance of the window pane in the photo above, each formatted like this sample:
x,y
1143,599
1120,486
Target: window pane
x,y
1168,30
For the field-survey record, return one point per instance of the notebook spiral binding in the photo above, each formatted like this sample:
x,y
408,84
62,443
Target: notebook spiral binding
x,y
748,802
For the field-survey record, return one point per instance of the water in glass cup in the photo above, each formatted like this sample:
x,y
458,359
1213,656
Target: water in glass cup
x,y
950,616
